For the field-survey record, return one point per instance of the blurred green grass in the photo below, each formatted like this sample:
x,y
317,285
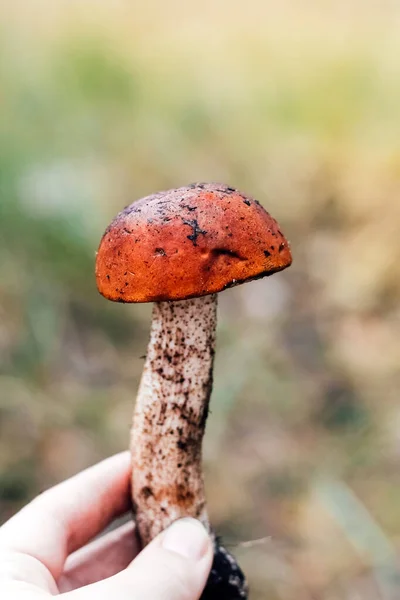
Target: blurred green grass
x,y
297,105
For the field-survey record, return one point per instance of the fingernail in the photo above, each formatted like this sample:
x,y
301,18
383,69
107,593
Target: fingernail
x,y
188,538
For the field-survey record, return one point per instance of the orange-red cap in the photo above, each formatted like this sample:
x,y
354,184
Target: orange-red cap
x,y
188,242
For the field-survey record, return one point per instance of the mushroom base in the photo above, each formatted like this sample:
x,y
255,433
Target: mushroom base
x,y
226,580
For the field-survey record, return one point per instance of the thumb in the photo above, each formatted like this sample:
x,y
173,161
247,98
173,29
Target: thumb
x,y
174,566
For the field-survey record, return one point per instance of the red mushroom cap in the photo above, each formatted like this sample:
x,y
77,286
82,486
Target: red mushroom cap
x,y
188,242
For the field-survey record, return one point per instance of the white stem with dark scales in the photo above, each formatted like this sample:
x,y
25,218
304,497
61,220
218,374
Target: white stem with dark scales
x,y
170,415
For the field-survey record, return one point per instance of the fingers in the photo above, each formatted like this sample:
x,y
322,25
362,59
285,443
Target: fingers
x,y
20,572
64,518
175,566
100,559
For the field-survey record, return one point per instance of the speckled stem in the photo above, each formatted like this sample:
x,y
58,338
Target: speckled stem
x,y
170,415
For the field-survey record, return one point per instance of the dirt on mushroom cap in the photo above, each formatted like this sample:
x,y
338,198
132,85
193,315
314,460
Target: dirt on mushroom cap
x,y
188,242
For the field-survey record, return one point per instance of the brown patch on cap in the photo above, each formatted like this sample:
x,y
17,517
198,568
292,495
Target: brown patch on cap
x,y
188,242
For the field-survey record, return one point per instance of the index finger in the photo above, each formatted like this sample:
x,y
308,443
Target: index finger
x,y
68,515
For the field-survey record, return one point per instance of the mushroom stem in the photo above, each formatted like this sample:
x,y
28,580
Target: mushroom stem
x,y
170,415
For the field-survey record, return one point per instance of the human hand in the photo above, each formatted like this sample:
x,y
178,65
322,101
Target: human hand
x,y
44,549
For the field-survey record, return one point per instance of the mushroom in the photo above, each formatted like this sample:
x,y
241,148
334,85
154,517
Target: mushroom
x,y
178,249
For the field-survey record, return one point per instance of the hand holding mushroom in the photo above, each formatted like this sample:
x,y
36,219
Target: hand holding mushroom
x,y
47,548
179,248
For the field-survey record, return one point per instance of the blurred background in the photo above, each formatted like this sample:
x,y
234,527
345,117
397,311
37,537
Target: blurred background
x,y
295,103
